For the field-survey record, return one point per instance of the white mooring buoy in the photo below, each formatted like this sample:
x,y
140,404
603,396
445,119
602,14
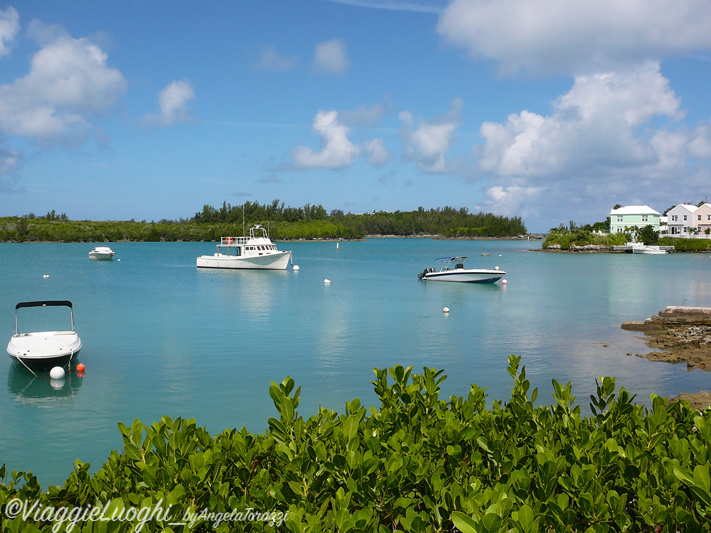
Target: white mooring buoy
x,y
57,372
445,310
327,281
295,268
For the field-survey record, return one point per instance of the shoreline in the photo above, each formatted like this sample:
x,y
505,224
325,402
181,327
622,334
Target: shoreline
x,y
677,335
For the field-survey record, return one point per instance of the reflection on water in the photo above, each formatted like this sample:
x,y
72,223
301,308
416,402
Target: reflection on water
x,y
40,390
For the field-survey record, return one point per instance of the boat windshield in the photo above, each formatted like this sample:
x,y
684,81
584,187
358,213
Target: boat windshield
x,y
447,261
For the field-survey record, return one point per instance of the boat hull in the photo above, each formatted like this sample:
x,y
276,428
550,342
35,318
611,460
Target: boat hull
x,y
101,253
272,261
649,250
43,350
466,276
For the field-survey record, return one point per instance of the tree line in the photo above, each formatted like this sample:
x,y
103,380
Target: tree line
x,y
284,223
444,221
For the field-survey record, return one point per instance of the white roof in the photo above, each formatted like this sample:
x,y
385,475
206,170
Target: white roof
x,y
688,207
634,210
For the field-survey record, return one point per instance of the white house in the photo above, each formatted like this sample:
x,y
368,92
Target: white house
x,y
681,219
633,216
702,218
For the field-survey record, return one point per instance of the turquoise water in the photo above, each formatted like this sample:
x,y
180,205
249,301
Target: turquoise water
x,y
162,338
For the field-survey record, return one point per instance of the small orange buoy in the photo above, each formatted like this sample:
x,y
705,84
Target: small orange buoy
x,y
80,367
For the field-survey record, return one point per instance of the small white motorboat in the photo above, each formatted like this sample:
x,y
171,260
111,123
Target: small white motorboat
x,y
649,250
256,252
460,274
101,253
42,350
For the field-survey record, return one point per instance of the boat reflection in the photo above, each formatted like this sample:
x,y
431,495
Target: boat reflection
x,y
41,390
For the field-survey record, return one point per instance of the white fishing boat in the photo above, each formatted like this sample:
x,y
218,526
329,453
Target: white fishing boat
x,y
42,350
256,252
101,253
453,270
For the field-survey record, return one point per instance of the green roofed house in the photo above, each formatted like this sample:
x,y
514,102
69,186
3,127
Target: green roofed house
x,y
631,216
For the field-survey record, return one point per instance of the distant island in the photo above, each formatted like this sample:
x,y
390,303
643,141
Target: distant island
x,y
309,222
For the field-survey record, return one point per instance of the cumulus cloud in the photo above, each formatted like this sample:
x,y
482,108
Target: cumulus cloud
x,y
271,60
511,200
593,128
337,150
330,57
427,142
575,36
608,138
9,27
173,102
378,155
364,116
10,160
68,83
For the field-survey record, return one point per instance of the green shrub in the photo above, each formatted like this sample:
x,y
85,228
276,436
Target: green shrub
x,y
417,462
686,245
580,237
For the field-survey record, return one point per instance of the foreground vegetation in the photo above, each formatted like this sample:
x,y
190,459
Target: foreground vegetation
x,y
308,222
415,463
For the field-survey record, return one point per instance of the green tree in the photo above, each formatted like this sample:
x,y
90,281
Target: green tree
x,y
648,236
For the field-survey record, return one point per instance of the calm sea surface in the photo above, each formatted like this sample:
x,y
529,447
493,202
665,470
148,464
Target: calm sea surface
x,y
162,338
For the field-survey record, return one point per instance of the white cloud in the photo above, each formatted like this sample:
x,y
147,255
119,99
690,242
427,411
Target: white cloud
x,y
419,6
69,81
271,60
337,151
9,27
330,57
364,117
575,36
10,160
593,128
511,200
614,137
173,102
428,142
378,155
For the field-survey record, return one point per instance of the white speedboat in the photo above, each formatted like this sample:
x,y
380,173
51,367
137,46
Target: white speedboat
x,y
42,350
649,250
458,273
256,252
101,253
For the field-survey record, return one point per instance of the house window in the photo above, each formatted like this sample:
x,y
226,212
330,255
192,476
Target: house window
x,y
708,217
699,217
674,218
684,218
644,218
619,218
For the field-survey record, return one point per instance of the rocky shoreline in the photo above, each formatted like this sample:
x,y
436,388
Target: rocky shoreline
x,y
679,335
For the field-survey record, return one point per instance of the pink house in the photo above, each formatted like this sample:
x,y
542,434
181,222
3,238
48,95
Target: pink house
x,y
702,218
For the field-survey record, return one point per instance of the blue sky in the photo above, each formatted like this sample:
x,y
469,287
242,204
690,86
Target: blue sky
x,y
550,110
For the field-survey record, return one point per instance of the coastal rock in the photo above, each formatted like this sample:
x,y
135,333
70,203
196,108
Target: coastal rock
x,y
678,335
699,401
